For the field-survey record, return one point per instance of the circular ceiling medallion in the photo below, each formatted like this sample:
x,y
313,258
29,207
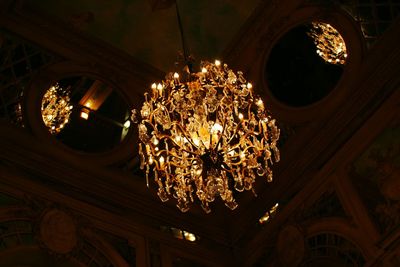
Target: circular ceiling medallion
x,y
58,231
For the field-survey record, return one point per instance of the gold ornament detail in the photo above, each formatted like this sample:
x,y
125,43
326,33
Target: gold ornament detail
x,y
58,231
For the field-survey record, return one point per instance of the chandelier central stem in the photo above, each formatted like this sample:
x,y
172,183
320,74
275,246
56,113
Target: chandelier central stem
x,y
186,54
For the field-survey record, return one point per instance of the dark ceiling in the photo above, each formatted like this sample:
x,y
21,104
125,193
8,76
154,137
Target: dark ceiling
x,y
153,35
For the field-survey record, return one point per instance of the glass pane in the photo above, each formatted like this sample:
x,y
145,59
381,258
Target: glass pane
x,y
85,114
306,64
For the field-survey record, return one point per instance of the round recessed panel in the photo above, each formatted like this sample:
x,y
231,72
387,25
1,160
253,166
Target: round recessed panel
x,y
306,64
85,114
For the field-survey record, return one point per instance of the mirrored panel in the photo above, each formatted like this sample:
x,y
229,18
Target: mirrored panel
x,y
85,114
306,64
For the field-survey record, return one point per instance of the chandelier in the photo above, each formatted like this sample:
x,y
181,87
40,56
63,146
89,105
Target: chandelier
x,y
205,136
330,44
56,108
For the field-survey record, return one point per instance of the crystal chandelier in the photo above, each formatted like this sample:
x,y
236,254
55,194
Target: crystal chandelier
x,y
56,108
205,135
330,44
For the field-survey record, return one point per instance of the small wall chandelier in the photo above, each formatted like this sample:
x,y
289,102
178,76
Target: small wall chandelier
x,y
330,44
56,108
204,135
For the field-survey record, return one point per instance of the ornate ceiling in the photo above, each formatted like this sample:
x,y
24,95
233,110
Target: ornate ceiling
x,y
336,184
152,35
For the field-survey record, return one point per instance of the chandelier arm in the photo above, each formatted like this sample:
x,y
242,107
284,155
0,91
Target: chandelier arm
x,y
169,153
164,136
168,137
183,131
223,129
178,166
235,132
219,137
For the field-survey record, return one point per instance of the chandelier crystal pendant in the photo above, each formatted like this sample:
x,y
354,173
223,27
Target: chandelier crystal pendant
x,y
330,44
205,136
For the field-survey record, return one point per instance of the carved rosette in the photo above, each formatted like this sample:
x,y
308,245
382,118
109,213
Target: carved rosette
x,y
58,231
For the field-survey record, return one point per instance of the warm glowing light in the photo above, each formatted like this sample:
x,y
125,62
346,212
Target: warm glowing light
x,y
127,124
84,114
56,108
181,234
205,137
330,44
88,104
189,236
269,214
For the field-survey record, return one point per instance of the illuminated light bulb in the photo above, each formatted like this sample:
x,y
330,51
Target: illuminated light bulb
x,y
161,160
264,218
154,86
217,63
189,236
155,141
240,116
216,128
127,124
204,70
84,114
249,86
160,89
176,75
88,104
195,140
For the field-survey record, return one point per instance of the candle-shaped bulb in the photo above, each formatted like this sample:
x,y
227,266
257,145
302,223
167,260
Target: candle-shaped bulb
x,y
161,160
